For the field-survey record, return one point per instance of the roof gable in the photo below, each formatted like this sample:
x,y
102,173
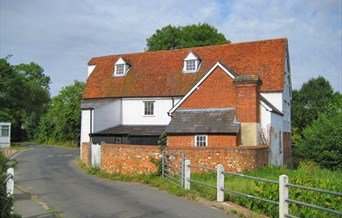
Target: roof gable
x,y
160,73
195,87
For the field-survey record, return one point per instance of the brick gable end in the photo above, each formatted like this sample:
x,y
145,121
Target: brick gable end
x,y
216,91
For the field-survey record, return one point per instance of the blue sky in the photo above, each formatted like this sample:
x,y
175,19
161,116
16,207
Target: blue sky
x,y
63,35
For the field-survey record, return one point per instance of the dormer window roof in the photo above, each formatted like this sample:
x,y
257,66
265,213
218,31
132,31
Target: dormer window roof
x,y
191,63
121,67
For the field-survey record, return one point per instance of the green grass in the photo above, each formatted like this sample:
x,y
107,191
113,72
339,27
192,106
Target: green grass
x,y
153,180
307,175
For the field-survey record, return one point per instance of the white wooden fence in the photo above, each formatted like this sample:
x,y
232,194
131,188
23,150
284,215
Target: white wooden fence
x,y
283,183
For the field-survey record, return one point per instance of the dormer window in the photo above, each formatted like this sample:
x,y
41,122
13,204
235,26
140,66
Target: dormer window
x,y
121,68
191,63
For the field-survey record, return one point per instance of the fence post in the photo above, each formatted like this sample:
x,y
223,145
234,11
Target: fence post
x,y
187,175
220,183
163,163
283,196
183,168
10,182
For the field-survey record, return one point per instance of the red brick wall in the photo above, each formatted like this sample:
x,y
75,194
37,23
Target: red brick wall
x,y
235,159
247,109
135,159
85,153
213,140
287,149
217,91
128,159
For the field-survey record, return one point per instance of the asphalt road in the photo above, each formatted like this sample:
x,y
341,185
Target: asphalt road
x,y
52,174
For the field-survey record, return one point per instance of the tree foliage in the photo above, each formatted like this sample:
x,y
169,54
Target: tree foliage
x,y
322,140
172,37
309,101
24,97
62,121
316,124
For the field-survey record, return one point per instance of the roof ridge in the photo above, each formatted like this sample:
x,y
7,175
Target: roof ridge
x,y
180,49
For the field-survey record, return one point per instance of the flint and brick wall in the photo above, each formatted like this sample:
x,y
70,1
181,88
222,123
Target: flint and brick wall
x,y
135,159
235,159
128,159
213,140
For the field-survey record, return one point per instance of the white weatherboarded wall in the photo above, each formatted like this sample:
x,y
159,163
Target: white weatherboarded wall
x,y
133,111
107,116
272,128
85,126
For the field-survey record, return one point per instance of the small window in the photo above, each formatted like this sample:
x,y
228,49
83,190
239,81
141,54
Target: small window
x,y
120,69
201,140
5,131
191,65
149,108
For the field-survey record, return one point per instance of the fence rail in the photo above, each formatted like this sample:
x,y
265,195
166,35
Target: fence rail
x,y
283,186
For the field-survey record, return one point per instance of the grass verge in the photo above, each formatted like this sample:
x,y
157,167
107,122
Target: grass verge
x,y
199,194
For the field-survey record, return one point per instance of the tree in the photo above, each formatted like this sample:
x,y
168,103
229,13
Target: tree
x,y
62,121
34,72
171,37
309,101
24,96
322,140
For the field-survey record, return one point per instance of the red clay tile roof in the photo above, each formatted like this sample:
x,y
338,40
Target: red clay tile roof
x,y
160,73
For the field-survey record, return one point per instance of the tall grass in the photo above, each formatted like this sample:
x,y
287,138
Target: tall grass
x,y
307,175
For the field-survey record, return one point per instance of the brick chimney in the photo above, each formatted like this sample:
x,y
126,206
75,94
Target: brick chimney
x,y
248,107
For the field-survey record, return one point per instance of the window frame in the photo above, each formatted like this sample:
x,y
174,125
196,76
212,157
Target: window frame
x,y
120,69
201,140
3,129
149,108
190,65
193,61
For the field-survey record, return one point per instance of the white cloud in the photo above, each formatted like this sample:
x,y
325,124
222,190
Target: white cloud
x,y
312,27
63,35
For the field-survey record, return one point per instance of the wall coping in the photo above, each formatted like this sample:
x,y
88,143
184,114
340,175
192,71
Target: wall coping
x,y
219,148
255,147
130,146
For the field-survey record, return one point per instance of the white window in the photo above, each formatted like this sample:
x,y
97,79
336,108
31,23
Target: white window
x,y
121,68
191,63
149,108
5,131
201,140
